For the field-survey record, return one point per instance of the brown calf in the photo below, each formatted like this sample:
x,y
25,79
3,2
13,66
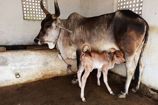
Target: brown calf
x,y
103,61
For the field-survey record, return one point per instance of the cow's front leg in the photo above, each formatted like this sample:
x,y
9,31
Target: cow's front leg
x,y
78,53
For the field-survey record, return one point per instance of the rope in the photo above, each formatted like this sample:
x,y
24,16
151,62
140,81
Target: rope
x,y
68,65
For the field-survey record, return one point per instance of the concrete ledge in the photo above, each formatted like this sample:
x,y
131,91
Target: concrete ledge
x,y
2,49
23,66
30,65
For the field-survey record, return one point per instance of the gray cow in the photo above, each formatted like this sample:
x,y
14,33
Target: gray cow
x,y
123,30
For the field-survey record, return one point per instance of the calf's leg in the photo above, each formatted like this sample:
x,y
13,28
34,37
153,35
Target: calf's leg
x,y
79,74
105,73
98,77
83,83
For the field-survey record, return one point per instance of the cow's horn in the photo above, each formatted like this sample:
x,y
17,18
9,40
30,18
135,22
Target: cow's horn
x,y
43,8
57,10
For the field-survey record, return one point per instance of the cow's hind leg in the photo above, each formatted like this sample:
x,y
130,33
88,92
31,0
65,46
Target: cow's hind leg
x,y
141,69
131,63
140,65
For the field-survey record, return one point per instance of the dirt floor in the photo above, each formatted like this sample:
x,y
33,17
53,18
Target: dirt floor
x,y
60,91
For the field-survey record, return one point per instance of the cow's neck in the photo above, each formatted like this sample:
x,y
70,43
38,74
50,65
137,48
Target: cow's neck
x,y
64,44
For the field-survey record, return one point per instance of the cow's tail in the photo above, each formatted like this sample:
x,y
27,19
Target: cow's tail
x,y
137,72
145,38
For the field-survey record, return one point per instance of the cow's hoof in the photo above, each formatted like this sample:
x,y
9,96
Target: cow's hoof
x,y
122,95
134,90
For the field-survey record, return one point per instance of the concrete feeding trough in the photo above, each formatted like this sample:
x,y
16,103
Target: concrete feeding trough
x,y
36,63
21,66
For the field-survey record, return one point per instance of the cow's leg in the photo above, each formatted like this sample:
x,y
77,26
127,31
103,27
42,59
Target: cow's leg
x,y
83,83
131,63
98,77
141,69
78,53
79,73
105,74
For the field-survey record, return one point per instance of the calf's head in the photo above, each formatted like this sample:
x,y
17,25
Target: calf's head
x,y
118,57
50,30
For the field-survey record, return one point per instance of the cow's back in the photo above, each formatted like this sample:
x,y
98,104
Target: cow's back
x,y
129,30
122,29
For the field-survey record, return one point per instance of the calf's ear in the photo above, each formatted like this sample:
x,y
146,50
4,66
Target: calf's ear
x,y
112,50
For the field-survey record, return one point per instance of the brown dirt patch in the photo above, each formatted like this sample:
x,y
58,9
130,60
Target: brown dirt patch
x,y
60,91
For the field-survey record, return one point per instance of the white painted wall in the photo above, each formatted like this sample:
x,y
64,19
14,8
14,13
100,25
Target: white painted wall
x,y
96,7
150,13
16,31
13,29
66,7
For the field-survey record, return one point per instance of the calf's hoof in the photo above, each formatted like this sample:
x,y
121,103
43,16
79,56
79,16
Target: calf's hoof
x,y
98,83
83,99
74,81
112,93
